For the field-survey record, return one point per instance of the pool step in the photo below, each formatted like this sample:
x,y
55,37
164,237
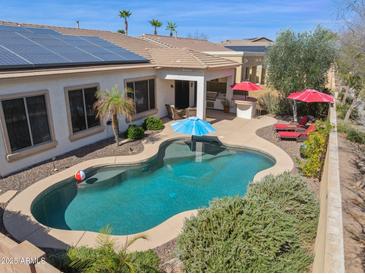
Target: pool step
x,y
104,177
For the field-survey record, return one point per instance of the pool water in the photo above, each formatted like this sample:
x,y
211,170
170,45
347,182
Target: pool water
x,y
132,199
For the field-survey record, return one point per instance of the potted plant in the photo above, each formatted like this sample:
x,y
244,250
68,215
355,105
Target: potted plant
x,y
226,105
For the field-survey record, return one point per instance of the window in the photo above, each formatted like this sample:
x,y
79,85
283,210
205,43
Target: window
x,y
26,121
143,94
83,115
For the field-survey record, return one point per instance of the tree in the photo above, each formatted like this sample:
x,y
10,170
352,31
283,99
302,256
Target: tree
x,y
300,60
125,14
351,59
112,103
156,24
171,26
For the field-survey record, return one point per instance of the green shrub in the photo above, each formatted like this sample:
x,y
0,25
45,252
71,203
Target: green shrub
x,y
104,258
135,132
270,229
342,127
314,150
153,123
356,136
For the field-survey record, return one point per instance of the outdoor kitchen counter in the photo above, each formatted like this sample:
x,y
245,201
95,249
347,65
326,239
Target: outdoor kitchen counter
x,y
246,108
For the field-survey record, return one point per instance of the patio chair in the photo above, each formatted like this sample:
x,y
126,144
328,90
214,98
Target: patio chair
x,y
191,111
292,126
296,135
173,113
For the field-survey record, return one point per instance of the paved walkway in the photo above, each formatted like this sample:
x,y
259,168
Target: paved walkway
x,y
19,221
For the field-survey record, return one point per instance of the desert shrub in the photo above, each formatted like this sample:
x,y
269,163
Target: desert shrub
x,y
104,258
270,229
135,132
315,150
355,136
352,134
342,127
153,123
269,103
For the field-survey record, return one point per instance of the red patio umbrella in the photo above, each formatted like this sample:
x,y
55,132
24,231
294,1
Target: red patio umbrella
x,y
309,96
246,86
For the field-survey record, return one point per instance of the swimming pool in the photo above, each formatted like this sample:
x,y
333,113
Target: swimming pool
x,y
184,175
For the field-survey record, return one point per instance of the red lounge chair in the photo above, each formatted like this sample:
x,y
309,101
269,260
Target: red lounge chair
x,y
295,135
291,126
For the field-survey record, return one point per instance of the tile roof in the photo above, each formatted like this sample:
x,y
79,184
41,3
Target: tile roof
x,y
158,53
187,58
179,42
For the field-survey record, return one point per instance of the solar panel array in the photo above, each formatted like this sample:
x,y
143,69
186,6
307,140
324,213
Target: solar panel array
x,y
248,48
22,47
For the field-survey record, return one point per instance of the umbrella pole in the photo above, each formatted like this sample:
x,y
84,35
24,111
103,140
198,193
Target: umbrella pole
x,y
295,115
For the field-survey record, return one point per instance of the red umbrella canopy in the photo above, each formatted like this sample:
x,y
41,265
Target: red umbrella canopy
x,y
246,86
311,96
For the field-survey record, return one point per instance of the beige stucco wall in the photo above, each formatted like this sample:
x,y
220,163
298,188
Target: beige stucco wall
x,y
55,86
329,248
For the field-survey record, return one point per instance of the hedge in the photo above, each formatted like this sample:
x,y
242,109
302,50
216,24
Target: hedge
x,y
270,229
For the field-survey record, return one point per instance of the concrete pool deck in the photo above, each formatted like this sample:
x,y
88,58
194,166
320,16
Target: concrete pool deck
x,y
231,131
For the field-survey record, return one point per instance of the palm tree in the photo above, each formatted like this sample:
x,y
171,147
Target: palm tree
x,y
112,103
125,15
156,24
171,26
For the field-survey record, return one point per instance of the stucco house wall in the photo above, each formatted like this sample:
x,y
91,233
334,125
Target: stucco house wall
x,y
55,85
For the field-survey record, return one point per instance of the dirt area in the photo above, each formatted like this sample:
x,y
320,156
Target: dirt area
x,y
353,202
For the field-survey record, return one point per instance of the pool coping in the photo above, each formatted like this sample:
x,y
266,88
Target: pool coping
x,y
20,223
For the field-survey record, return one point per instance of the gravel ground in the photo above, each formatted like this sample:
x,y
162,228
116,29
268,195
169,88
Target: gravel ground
x,y
290,147
21,180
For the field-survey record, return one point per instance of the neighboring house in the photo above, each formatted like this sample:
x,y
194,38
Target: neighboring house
x,y
49,77
253,52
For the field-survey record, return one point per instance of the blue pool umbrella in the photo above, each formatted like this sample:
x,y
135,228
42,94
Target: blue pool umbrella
x,y
193,126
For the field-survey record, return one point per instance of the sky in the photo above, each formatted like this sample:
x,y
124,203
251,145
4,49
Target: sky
x,y
218,20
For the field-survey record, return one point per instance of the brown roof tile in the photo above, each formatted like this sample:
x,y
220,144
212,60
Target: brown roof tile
x,y
187,58
179,42
184,53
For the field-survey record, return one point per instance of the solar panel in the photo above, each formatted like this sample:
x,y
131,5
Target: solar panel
x,y
9,59
28,30
113,48
24,47
43,31
95,50
61,48
34,53
248,48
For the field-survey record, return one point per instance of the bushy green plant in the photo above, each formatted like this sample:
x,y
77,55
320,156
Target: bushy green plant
x,y
270,229
153,123
269,103
135,132
315,150
356,136
105,258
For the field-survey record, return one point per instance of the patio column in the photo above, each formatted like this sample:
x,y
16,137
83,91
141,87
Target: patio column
x,y
229,91
201,95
